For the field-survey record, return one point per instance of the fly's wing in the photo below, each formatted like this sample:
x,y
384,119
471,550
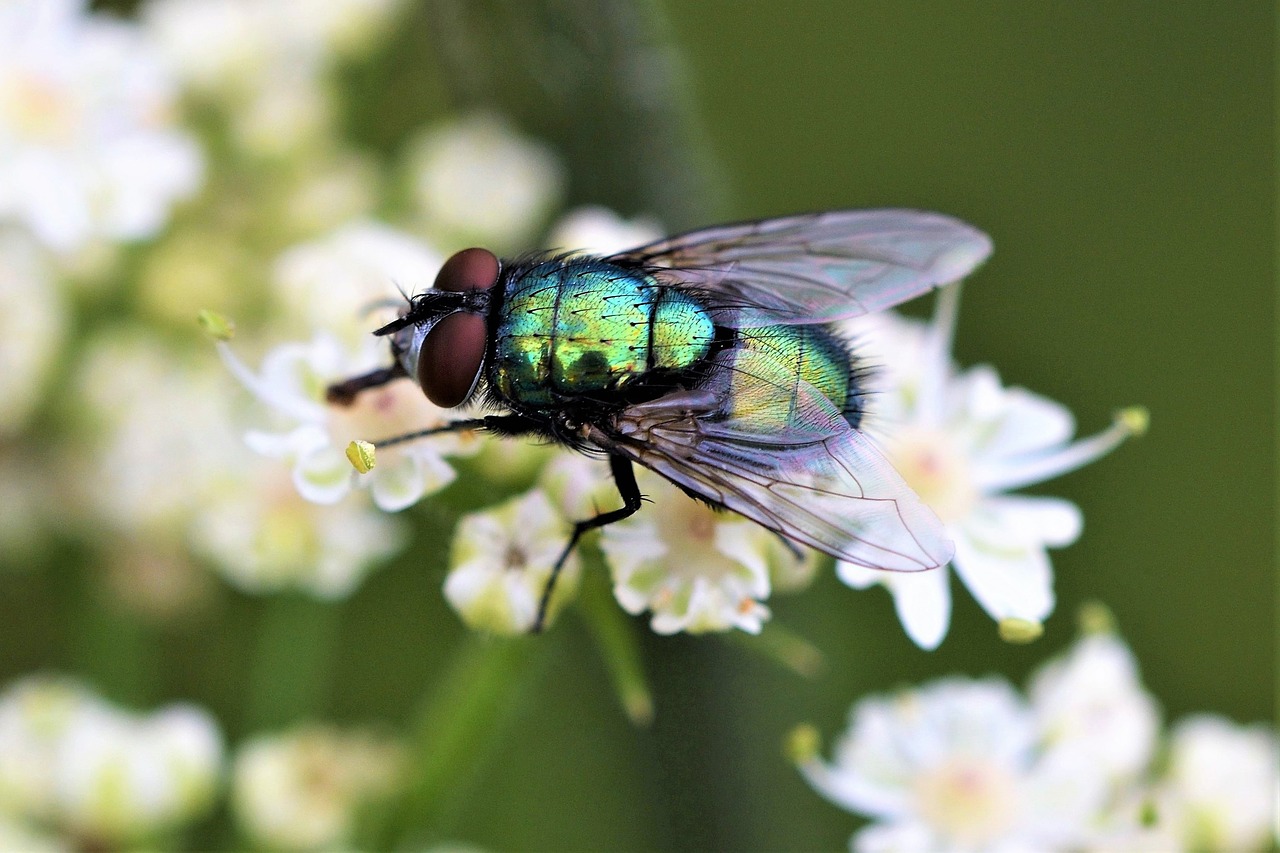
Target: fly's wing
x,y
776,450
820,267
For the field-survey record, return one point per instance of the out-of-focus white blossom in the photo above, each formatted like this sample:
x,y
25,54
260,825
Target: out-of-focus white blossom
x,y
1091,702
103,775
343,282
1219,791
33,321
236,45
478,181
263,537
961,440
267,59
303,789
89,147
694,568
501,561
162,440
599,231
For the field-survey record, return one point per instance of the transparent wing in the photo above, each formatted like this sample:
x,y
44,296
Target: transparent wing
x,y
781,454
819,267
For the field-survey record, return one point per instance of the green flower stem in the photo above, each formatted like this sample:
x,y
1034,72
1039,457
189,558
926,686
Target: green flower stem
x,y
458,725
784,646
293,654
618,645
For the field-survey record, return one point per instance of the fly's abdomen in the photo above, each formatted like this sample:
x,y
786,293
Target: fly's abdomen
x,y
582,327
784,357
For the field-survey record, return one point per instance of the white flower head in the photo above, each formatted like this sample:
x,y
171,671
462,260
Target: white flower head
x,y
233,45
599,231
292,383
69,759
337,282
953,766
1220,789
302,790
501,561
696,569
263,537
163,440
33,324
89,147
477,181
1090,702
121,777
962,440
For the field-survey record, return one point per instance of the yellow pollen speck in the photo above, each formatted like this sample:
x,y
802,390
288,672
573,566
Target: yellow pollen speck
x,y
361,455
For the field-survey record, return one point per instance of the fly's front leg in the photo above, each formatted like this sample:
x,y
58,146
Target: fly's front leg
x,y
624,476
344,393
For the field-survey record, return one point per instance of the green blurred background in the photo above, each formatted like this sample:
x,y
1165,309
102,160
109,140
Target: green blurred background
x,y
1121,156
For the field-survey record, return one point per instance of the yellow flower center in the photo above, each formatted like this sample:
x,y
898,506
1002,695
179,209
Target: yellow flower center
x,y
936,470
38,108
967,799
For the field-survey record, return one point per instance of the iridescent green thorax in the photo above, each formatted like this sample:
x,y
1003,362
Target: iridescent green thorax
x,y
577,327
794,361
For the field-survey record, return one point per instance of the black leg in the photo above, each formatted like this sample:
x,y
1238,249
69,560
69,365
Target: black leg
x,y
344,393
625,478
501,424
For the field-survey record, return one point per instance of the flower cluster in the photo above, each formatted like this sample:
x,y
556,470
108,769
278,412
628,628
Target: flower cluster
x,y
972,764
72,763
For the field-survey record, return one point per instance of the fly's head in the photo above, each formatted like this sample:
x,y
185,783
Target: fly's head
x,y
441,338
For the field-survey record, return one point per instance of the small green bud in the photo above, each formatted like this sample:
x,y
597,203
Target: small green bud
x,y
1135,419
1020,631
1095,617
216,326
803,744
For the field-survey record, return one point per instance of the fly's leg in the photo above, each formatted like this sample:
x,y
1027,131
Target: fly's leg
x,y
499,424
344,393
625,479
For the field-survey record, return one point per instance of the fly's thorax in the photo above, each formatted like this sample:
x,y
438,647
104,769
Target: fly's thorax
x,y
792,361
584,327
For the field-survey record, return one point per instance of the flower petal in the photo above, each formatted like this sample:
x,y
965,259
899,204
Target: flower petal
x,y
323,477
1008,577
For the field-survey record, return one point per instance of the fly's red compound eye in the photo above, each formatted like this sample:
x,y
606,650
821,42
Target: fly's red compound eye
x,y
451,356
470,269
449,364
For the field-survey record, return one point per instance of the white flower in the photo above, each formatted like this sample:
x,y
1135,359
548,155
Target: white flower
x,y
302,790
333,283
1219,791
694,568
162,437
99,773
1091,702
600,231
88,143
954,766
121,777
33,321
961,440
292,383
501,562
263,537
235,45
478,181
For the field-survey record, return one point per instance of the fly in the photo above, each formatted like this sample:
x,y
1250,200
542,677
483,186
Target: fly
x,y
708,357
